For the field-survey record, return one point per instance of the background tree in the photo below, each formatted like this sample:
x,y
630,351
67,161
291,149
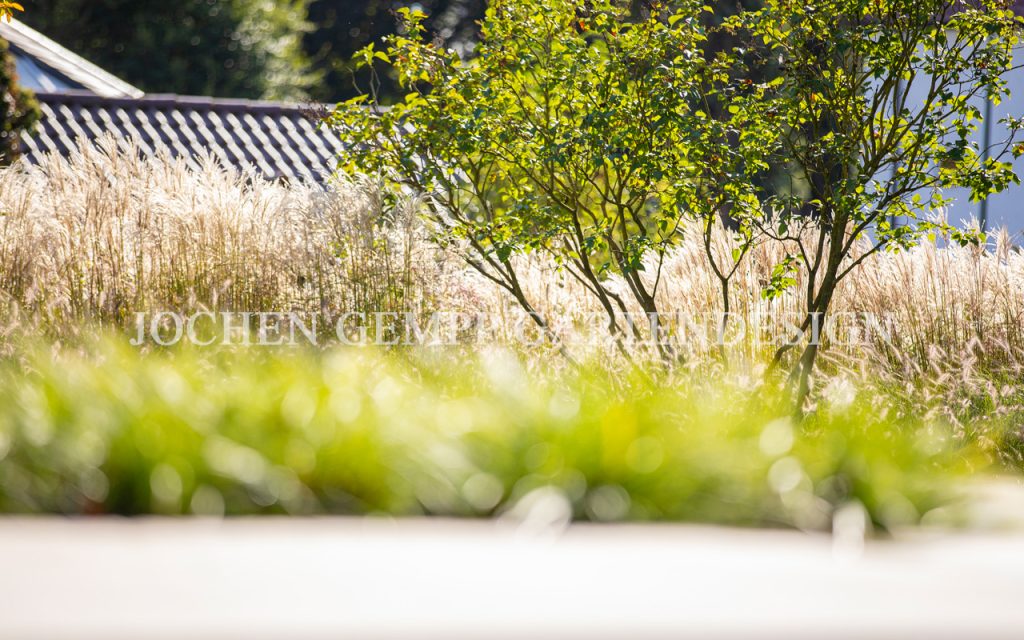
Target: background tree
x,y
260,48
343,27
229,48
878,101
18,108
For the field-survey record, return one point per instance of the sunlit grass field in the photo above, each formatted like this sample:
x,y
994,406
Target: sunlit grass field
x,y
91,425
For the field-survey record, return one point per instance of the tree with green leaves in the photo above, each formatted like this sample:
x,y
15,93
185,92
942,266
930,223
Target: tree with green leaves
x,y
878,101
226,48
591,133
19,110
579,130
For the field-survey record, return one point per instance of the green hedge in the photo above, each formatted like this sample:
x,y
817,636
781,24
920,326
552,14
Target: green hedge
x,y
103,428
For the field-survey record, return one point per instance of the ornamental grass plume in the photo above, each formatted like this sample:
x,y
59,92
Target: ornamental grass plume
x,y
107,232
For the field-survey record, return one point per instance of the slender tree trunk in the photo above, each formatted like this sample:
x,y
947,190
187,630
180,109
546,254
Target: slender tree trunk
x,y
817,316
724,322
803,375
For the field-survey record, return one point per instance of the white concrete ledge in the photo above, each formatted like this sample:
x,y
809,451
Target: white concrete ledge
x,y
362,578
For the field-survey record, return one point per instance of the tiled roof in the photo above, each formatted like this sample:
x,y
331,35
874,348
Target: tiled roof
x,y
279,140
44,64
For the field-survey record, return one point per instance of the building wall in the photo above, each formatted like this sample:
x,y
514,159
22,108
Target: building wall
x,y
1005,209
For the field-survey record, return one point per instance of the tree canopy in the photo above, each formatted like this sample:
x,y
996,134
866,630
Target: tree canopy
x,y
591,132
580,130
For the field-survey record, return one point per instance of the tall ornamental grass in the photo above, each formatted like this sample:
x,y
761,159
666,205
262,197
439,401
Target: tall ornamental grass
x,y
107,233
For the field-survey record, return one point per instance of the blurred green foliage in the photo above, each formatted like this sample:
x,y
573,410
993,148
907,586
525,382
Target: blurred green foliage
x,y
279,49
103,429
256,48
224,48
343,27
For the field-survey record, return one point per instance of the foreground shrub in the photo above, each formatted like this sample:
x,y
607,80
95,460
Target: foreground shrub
x,y
103,430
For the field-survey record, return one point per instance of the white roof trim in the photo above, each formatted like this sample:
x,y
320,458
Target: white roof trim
x,y
76,68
